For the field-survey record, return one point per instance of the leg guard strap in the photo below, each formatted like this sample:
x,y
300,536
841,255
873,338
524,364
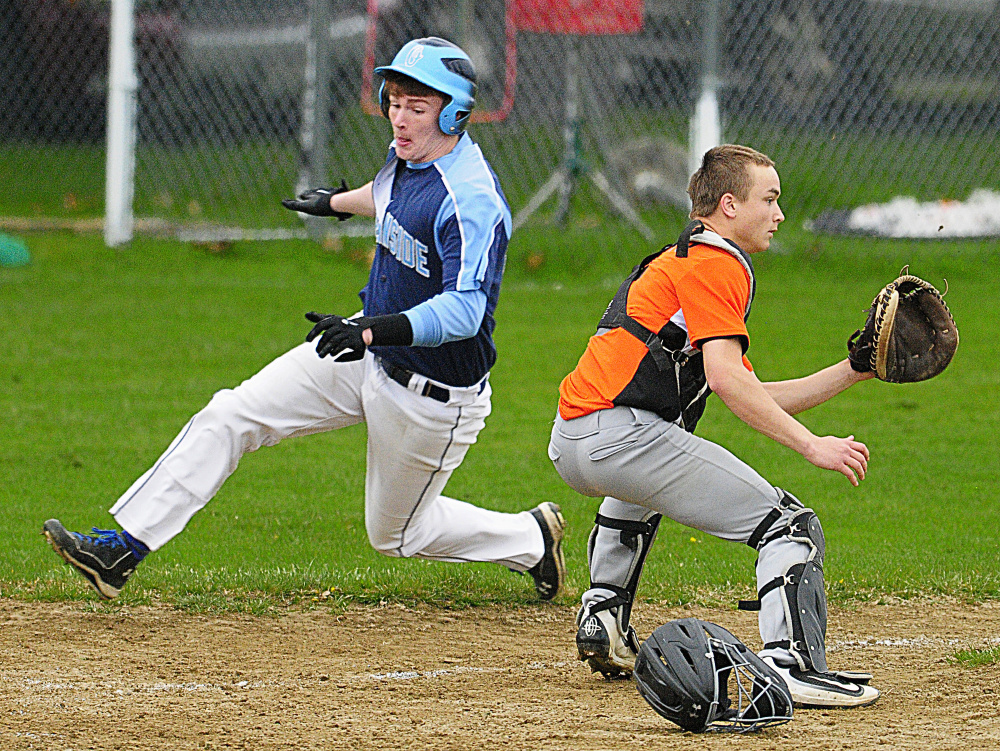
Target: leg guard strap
x,y
766,523
631,530
785,501
636,537
622,597
778,581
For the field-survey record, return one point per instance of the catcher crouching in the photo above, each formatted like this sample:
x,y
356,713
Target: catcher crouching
x,y
674,333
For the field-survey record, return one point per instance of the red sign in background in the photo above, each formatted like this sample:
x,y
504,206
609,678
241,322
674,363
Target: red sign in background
x,y
578,16
545,16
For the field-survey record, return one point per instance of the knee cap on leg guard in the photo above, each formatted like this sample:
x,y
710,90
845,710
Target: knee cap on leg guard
x,y
804,527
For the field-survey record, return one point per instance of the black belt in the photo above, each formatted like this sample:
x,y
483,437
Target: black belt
x,y
402,376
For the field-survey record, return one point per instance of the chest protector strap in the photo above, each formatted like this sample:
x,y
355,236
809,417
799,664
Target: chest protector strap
x,y
615,315
662,356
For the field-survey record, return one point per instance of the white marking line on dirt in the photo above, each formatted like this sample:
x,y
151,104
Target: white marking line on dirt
x,y
920,642
409,675
147,689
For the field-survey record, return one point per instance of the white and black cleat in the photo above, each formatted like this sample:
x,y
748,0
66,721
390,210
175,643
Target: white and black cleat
x,y
550,572
812,689
603,647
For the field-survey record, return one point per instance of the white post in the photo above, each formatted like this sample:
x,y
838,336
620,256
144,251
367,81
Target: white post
x,y
123,83
706,126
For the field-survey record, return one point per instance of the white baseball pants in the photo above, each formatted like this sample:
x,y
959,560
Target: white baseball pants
x,y
414,444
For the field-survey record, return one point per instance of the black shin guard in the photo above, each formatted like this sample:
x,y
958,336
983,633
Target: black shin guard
x,y
802,585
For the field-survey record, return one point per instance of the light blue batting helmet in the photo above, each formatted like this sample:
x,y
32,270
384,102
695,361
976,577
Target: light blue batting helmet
x,y
442,66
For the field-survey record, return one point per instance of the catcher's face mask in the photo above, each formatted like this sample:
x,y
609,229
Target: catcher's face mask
x,y
688,669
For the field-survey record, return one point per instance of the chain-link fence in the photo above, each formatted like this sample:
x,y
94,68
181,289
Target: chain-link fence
x,y
242,101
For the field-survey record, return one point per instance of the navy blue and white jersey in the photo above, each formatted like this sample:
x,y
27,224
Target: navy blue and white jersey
x,y
440,227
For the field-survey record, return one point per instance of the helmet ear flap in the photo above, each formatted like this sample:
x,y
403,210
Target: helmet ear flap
x,y
383,100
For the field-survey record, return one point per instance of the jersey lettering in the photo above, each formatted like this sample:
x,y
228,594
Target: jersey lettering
x,y
403,246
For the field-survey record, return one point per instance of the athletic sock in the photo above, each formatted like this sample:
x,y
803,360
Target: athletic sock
x,y
138,548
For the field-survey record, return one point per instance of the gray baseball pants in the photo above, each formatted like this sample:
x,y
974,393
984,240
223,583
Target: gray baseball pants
x,y
640,462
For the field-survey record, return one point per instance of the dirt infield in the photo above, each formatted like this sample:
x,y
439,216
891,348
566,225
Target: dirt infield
x,y
398,678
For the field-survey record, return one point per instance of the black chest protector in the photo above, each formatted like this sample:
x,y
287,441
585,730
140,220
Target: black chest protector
x,y
669,381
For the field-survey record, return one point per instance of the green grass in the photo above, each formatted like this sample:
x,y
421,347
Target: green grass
x,y
975,658
30,189
107,353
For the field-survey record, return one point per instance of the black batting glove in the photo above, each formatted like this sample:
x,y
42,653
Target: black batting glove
x,y
341,337
316,202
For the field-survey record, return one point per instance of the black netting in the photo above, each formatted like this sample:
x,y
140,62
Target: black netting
x,y
857,100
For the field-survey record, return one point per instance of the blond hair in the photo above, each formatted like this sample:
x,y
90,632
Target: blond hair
x,y
723,170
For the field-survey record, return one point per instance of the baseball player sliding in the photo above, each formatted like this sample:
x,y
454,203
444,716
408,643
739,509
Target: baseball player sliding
x,y
414,366
674,333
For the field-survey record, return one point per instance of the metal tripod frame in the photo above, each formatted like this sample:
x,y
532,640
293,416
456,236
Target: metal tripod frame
x,y
572,166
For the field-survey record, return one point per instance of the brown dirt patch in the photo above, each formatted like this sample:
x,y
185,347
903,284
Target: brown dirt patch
x,y
398,678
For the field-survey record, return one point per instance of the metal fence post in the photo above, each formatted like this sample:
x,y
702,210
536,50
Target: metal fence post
x,y
123,83
706,128
315,136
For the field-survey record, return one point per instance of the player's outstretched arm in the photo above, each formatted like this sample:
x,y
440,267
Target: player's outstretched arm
x,y
358,201
340,202
746,396
799,394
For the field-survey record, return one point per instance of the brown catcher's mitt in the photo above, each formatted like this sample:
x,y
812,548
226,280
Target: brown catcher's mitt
x,y
909,336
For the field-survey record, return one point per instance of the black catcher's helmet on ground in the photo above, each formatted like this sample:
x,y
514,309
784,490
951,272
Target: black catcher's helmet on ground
x,y
685,670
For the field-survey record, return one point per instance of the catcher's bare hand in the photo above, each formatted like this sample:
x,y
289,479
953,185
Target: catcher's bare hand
x,y
844,455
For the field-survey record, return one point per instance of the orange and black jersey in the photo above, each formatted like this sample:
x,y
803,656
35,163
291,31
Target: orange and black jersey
x,y
685,301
